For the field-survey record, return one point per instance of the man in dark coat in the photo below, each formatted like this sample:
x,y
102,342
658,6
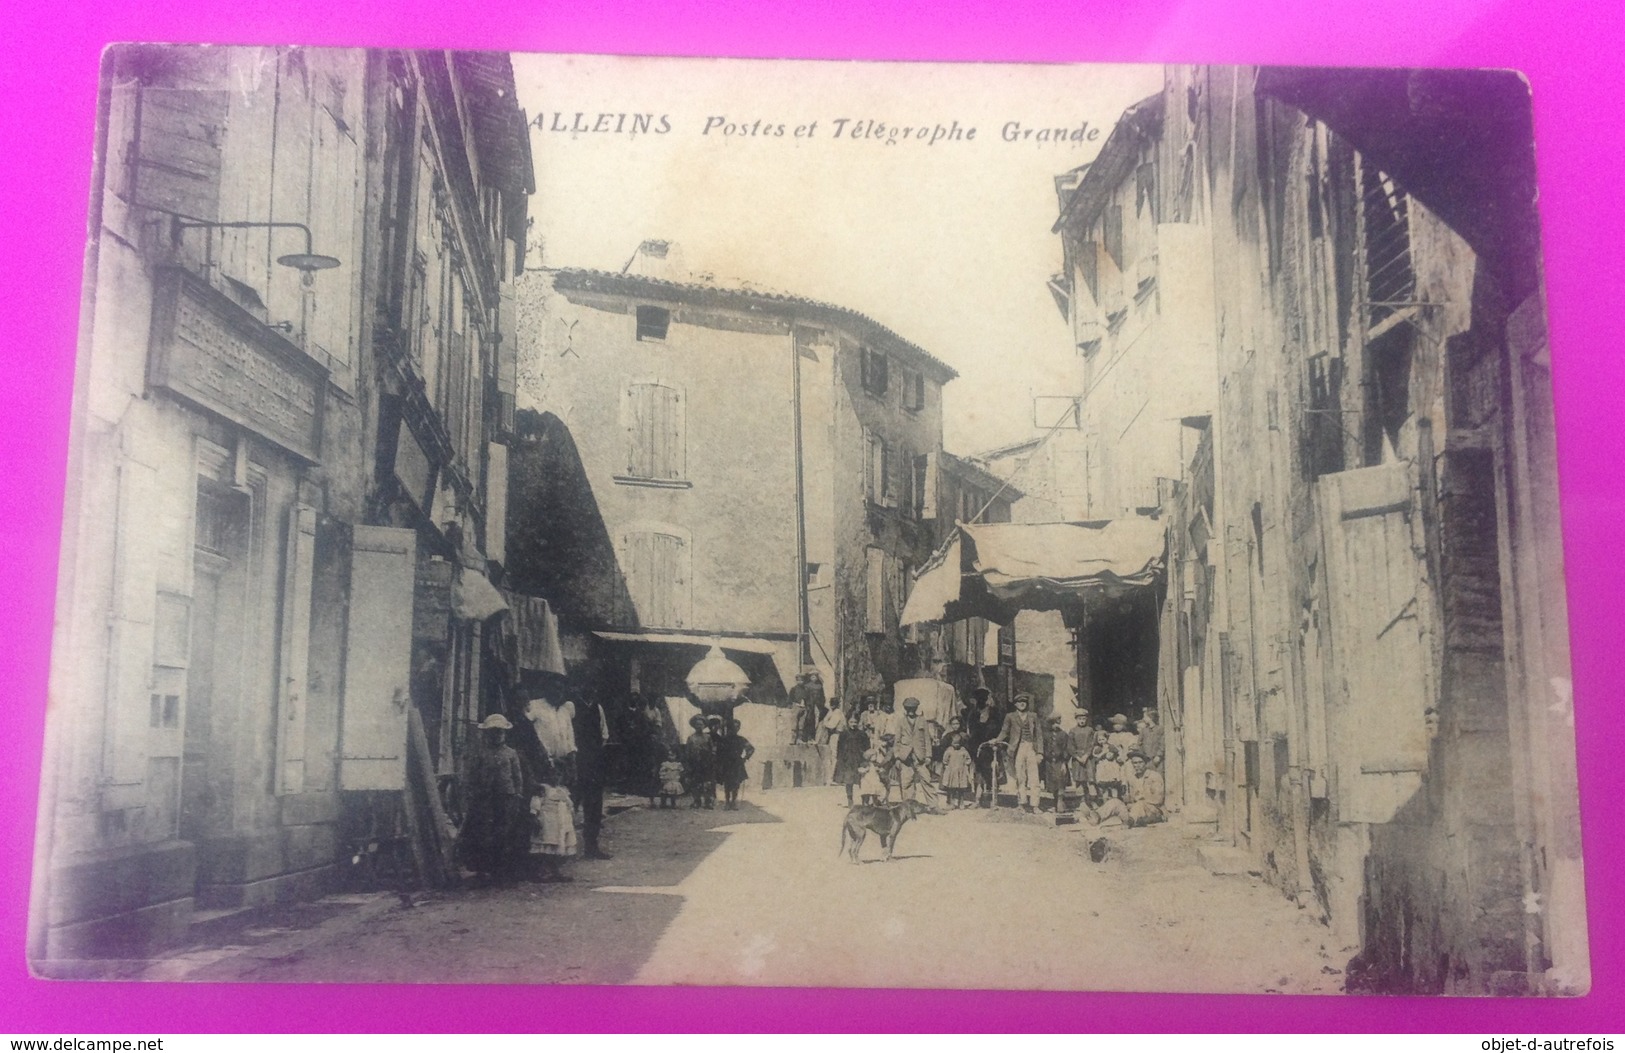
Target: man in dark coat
x,y
700,764
982,723
807,706
592,738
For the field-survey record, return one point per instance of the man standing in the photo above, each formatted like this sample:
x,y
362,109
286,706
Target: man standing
x,y
982,724
806,707
1023,737
592,736
912,748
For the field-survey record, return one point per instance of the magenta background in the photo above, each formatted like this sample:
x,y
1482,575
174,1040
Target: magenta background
x,y
1571,52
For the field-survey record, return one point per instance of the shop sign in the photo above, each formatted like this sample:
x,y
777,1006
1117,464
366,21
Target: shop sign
x,y
211,352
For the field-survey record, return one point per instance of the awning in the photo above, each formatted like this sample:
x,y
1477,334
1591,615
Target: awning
x,y
993,570
474,598
784,653
731,643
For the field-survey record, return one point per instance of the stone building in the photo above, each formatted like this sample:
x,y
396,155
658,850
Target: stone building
x,y
288,381
1362,648
708,464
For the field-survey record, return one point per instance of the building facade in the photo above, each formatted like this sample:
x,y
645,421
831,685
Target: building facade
x,y
710,465
1361,650
236,604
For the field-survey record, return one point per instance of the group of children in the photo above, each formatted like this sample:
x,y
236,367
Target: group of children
x,y
715,754
1085,767
868,765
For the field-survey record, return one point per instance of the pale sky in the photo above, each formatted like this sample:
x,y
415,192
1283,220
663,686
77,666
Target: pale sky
x,y
948,244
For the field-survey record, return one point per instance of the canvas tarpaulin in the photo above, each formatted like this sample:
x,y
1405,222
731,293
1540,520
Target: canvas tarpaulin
x,y
993,570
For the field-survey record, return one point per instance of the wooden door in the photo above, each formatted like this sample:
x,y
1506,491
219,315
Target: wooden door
x,y
378,657
1379,608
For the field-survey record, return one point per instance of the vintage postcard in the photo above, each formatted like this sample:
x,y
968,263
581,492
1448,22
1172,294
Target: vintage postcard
x,y
569,519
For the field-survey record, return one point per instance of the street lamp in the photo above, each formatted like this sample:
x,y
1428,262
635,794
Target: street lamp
x,y
715,680
307,263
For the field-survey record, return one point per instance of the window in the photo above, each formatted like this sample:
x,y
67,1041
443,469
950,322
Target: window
x,y
877,471
164,711
222,519
655,563
655,432
913,391
875,371
653,322
971,501
925,487
1111,233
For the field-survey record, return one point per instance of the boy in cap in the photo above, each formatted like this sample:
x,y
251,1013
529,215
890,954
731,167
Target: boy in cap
x,y
1080,752
1055,758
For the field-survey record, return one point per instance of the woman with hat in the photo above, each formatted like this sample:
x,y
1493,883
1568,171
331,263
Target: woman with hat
x,y
496,827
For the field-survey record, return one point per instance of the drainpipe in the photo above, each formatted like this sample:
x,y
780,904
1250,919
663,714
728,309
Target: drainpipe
x,y
804,619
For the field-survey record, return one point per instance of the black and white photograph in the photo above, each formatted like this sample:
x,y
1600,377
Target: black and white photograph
x,y
569,519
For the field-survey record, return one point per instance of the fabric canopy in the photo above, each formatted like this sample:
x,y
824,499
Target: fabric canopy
x,y
993,570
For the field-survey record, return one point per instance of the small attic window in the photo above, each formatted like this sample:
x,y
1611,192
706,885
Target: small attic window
x,y
653,323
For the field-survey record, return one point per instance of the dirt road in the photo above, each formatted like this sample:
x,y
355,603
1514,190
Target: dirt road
x,y
973,899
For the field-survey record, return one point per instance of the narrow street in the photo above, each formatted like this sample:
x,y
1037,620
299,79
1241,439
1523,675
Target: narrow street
x,y
759,897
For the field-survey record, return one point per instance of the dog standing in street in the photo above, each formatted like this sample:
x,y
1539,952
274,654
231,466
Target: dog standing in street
x,y
885,820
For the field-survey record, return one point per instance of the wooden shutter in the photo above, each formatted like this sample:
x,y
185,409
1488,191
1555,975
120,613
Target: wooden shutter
x,y
177,164
875,591
869,464
135,600
377,660
669,463
655,417
1379,611
507,354
670,579
496,501
292,690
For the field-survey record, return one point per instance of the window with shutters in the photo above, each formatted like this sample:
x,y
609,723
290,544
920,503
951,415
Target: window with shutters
x,y
656,436
655,561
